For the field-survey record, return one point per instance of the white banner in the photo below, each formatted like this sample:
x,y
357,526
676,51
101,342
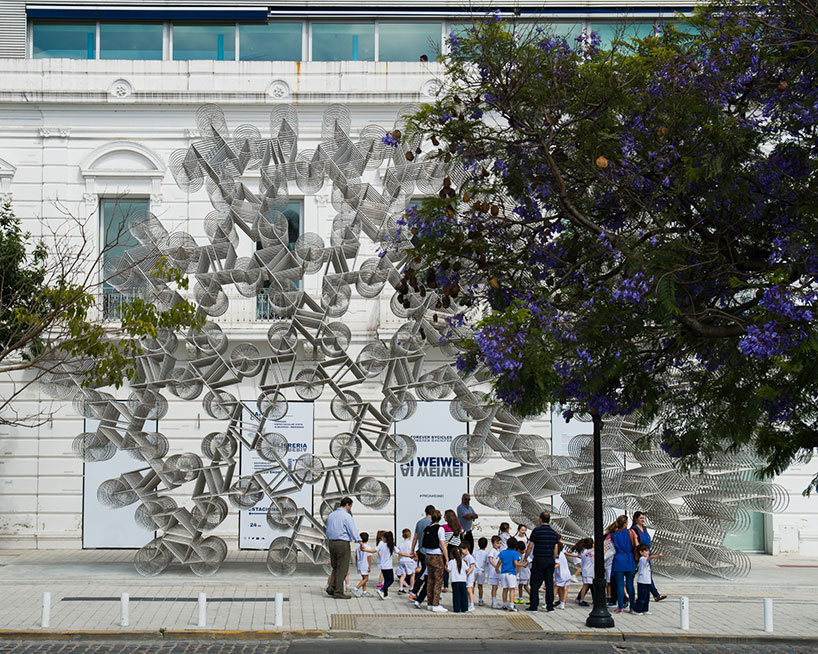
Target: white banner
x,y
434,476
297,428
102,526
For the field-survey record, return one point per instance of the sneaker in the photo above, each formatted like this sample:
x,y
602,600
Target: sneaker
x,y
582,602
366,593
494,604
549,610
439,609
617,610
660,598
470,609
412,596
530,610
417,604
401,590
561,606
631,611
519,601
645,612
480,603
513,609
355,592
381,595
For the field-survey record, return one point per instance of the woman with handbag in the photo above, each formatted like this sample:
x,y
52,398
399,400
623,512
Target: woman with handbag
x,y
452,532
643,538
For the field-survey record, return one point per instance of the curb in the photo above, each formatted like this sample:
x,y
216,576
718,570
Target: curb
x,y
298,634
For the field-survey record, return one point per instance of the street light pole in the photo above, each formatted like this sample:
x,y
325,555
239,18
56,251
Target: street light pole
x,y
599,616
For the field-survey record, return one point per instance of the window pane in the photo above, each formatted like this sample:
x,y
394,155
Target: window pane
x,y
217,42
267,305
568,30
116,216
69,40
623,31
130,41
270,42
407,41
343,41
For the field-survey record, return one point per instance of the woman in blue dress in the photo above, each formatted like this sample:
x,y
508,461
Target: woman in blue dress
x,y
624,563
643,537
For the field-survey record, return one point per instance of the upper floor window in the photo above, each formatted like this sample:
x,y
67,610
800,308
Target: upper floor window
x,y
270,42
66,40
204,41
343,41
408,41
621,31
130,40
116,217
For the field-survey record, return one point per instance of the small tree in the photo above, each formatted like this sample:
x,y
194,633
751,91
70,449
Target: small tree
x,y
634,229
48,320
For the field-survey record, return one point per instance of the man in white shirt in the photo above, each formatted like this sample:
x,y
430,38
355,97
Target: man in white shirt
x,y
466,516
341,531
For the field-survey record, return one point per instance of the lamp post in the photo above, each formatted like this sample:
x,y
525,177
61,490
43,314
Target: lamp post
x,y
599,616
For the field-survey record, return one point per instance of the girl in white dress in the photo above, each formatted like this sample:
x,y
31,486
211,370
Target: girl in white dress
x,y
406,563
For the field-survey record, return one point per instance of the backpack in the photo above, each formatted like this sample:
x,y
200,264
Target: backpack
x,y
430,540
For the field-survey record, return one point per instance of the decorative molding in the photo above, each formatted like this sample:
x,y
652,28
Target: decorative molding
x,y
6,173
193,134
120,89
278,90
156,199
55,132
145,179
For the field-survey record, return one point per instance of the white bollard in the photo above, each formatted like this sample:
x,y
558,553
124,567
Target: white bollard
x,y
123,610
279,605
46,619
768,615
202,609
684,614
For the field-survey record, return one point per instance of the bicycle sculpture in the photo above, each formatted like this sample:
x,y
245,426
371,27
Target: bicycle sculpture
x,y
307,352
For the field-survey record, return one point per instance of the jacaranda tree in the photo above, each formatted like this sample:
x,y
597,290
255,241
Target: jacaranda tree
x,y
634,229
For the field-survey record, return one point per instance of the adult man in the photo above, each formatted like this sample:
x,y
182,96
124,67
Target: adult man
x,y
417,539
341,532
543,540
466,516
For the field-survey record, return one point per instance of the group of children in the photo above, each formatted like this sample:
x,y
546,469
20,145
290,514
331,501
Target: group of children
x,y
504,566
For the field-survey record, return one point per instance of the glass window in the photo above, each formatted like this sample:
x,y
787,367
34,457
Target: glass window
x,y
217,42
408,41
68,40
270,42
568,30
622,31
265,305
116,216
130,40
343,41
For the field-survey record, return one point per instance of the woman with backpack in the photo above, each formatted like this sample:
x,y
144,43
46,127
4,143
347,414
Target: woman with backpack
x,y
437,561
452,534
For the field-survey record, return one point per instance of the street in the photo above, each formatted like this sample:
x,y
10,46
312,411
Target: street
x,y
355,646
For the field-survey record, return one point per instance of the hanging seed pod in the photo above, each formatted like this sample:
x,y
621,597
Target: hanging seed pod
x,y
601,162
410,156
495,210
448,157
484,207
396,134
446,302
414,230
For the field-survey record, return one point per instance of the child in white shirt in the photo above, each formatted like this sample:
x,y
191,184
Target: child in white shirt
x,y
386,549
406,563
644,578
458,576
481,557
492,573
362,563
468,560
585,554
562,577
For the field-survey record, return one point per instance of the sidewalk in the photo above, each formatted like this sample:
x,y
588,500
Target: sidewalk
x,y
85,587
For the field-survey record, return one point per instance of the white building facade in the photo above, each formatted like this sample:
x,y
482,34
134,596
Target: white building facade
x,y
94,99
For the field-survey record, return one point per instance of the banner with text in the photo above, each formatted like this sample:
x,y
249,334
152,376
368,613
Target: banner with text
x,y
297,427
434,476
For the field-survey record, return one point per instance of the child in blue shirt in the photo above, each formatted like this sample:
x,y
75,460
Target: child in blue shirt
x,y
510,559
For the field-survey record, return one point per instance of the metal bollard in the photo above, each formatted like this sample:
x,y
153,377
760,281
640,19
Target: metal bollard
x,y
768,615
45,622
202,609
684,614
123,610
279,606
